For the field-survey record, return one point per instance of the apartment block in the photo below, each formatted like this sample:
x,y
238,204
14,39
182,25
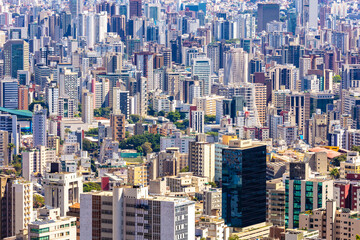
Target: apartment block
x,y
331,222
62,190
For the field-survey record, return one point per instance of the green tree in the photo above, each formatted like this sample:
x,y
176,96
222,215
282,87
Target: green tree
x,y
102,112
185,169
337,79
336,161
182,124
38,201
209,119
213,184
355,148
173,116
151,111
234,237
162,113
89,145
146,147
334,173
89,186
135,118
136,142
357,237
42,103
92,132
213,134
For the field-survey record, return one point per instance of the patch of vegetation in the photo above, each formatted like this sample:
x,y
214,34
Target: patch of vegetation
x,y
102,112
137,142
89,186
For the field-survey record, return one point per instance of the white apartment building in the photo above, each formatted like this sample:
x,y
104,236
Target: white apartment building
x,y
62,190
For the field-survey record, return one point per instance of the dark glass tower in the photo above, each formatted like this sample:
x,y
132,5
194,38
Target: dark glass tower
x,y
244,184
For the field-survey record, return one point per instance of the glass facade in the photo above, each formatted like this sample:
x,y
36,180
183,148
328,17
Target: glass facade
x,y
17,59
244,186
295,193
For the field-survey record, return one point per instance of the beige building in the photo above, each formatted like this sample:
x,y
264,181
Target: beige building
x,y
207,104
351,165
22,201
212,202
212,227
202,158
35,161
260,102
332,223
186,182
275,202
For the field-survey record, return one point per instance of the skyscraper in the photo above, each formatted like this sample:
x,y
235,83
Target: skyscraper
x,y
197,121
244,183
135,8
267,12
9,93
201,68
76,7
16,54
144,62
236,67
121,101
39,128
87,108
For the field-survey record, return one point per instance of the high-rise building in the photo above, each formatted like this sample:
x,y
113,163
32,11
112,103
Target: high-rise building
x,y
62,190
9,93
236,67
22,201
69,84
23,102
117,215
201,69
304,195
39,128
197,121
101,91
76,7
35,160
87,113
118,25
135,8
244,183
52,98
202,158
275,203
267,12
16,54
9,123
117,123
144,63
4,148
298,105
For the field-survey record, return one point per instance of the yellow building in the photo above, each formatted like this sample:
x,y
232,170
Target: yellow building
x,y
227,138
137,175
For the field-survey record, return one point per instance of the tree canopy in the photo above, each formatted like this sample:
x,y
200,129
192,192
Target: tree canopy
x,y
137,141
102,112
89,186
